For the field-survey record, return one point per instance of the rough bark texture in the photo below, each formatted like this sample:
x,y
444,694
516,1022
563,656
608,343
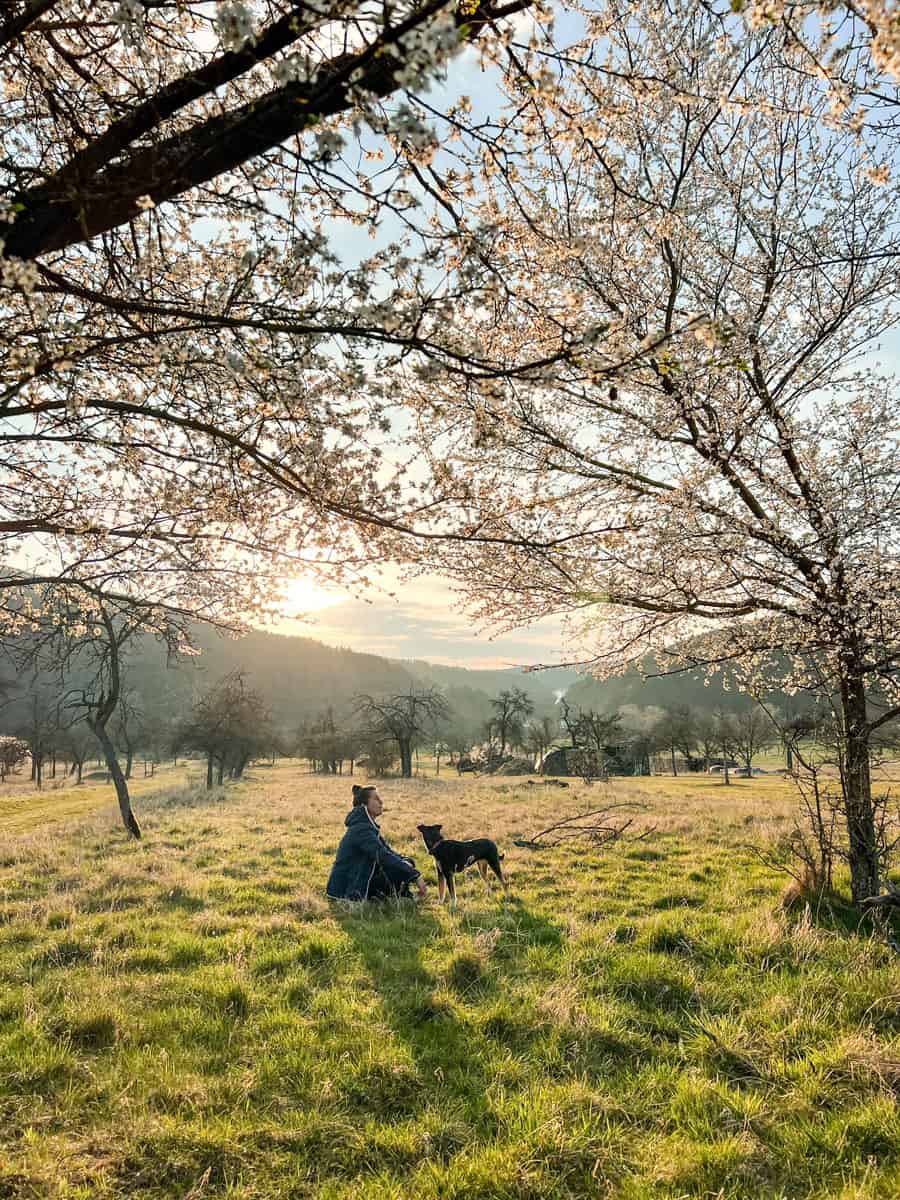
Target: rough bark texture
x,y
101,186
405,758
857,785
112,765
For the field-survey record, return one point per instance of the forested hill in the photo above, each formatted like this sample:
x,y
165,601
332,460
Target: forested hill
x,y
645,687
299,677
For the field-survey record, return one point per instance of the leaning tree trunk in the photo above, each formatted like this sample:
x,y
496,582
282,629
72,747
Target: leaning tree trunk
x,y
112,765
98,719
856,783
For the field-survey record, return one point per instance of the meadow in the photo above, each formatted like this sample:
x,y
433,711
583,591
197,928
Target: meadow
x,y
189,1017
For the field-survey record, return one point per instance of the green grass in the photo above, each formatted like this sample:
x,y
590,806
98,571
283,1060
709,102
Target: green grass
x,y
24,808
188,1017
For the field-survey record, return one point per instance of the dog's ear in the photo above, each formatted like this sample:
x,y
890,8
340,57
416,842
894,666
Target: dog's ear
x,y
421,828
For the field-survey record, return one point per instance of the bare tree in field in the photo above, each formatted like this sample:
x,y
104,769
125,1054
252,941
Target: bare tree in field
x,y
539,737
754,732
719,469
77,636
675,732
511,709
230,725
404,719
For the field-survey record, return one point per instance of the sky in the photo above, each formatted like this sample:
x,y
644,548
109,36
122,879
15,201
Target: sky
x,y
423,621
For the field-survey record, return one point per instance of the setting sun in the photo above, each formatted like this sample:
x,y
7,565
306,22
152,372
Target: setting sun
x,y
304,596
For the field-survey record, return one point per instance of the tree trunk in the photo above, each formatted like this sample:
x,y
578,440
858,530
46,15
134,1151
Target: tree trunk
x,y
857,788
405,759
725,761
112,765
79,766
674,768
209,771
221,773
129,761
789,754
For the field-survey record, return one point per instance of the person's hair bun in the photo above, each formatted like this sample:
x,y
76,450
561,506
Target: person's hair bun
x,y
356,789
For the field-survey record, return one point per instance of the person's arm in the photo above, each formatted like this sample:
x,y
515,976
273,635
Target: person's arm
x,y
395,867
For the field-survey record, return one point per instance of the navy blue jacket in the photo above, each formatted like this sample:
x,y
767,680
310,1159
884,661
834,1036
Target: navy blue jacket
x,y
362,849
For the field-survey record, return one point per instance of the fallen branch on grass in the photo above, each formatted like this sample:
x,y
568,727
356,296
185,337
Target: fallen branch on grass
x,y
879,909
890,899
598,827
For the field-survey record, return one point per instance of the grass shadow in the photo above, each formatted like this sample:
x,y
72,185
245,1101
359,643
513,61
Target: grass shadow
x,y
390,940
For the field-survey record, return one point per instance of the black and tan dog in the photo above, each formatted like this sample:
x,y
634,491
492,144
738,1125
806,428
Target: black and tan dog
x,y
451,856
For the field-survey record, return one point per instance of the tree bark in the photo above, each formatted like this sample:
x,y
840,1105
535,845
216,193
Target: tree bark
x,y
857,788
674,768
209,771
405,758
102,185
112,765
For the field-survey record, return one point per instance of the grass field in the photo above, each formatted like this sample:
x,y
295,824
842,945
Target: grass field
x,y
188,1017
24,808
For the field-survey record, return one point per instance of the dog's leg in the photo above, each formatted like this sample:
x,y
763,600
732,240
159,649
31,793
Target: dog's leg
x,y
451,888
483,868
495,867
442,885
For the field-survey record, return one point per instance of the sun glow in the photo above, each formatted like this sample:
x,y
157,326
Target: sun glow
x,y
302,596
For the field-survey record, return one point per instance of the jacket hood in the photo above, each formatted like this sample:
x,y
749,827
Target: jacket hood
x,y
358,816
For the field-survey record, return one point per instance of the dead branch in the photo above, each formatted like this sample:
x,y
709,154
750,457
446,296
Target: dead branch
x,y
597,826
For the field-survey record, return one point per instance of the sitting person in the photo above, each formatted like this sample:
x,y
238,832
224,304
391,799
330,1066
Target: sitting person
x,y
365,867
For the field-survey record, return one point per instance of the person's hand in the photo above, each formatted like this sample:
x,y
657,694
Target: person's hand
x,y
421,888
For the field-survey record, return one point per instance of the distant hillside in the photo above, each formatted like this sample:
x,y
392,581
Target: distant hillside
x,y
299,677
643,687
542,686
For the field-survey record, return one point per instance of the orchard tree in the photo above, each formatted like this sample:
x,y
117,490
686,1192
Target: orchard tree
x,y
188,371
511,709
405,719
719,466
754,732
675,731
230,724
539,738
